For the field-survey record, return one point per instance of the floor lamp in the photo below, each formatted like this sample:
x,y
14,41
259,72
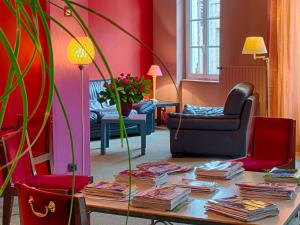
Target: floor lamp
x,y
256,46
81,52
154,71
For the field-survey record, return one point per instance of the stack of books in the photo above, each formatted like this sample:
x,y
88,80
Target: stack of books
x,y
109,189
283,176
268,190
197,185
246,210
164,198
163,167
219,170
142,177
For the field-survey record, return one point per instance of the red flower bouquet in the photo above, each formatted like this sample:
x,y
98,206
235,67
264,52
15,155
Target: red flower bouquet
x,y
131,89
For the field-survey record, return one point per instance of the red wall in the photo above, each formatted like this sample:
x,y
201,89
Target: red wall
x,y
123,53
32,79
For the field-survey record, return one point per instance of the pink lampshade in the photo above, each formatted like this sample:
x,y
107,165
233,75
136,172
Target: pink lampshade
x,y
155,71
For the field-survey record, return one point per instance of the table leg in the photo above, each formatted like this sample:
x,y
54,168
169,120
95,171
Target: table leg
x,y
107,135
103,137
158,119
177,108
143,138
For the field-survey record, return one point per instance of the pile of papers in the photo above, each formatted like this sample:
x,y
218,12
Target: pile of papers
x,y
197,185
283,176
142,177
268,190
219,170
163,167
109,189
242,209
163,198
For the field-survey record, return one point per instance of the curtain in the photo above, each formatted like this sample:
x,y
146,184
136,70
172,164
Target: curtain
x,y
284,51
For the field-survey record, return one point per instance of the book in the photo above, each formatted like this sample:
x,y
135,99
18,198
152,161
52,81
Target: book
x,y
163,167
110,189
142,177
219,170
278,175
164,198
197,185
268,190
243,209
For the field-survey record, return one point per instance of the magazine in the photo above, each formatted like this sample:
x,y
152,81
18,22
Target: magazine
x,y
219,169
161,198
243,209
283,176
268,190
110,189
163,167
197,185
141,176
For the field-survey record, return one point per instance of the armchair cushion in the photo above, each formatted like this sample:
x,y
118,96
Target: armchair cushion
x,y
237,97
204,122
63,182
259,165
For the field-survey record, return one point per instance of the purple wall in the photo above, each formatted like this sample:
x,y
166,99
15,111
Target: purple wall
x,y
68,81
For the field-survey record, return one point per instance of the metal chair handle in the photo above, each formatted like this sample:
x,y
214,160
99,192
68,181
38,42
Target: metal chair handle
x,y
50,207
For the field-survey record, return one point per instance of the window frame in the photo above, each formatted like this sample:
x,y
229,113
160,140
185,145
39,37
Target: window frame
x,y
199,76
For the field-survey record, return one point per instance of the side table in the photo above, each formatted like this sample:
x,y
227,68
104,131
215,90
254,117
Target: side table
x,y
139,120
163,104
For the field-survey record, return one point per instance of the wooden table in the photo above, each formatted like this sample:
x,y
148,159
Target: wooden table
x,y
163,104
195,213
138,119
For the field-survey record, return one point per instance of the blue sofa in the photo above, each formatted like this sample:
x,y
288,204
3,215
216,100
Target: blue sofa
x,y
97,111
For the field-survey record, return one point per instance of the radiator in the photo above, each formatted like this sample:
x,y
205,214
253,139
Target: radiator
x,y
231,75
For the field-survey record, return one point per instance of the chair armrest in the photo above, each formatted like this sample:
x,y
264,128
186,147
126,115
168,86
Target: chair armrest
x,y
144,107
99,114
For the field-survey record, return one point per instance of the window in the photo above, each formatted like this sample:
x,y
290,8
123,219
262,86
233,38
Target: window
x,y
203,39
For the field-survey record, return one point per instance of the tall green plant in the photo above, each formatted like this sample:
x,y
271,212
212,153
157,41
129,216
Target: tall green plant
x,y
28,20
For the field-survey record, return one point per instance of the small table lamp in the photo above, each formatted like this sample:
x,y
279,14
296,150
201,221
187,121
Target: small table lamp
x,y
81,54
154,71
256,46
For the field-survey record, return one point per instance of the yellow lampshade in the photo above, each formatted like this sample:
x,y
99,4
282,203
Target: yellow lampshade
x,y
254,45
81,55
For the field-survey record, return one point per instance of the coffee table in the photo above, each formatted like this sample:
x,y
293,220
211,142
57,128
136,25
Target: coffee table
x,y
194,212
138,119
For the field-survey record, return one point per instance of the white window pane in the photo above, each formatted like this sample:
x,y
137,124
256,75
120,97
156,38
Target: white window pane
x,y
213,32
213,8
196,35
212,60
196,60
196,9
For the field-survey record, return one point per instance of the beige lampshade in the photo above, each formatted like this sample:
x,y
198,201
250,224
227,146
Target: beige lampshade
x,y
81,54
154,71
254,45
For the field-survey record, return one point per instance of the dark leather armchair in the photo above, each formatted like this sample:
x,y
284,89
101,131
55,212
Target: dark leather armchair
x,y
97,111
214,131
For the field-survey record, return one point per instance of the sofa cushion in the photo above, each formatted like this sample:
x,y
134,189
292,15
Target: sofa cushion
x,y
237,97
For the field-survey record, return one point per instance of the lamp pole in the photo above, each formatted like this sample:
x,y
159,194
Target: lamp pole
x,y
266,59
81,67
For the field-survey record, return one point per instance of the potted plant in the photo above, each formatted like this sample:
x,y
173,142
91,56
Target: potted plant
x,y
130,89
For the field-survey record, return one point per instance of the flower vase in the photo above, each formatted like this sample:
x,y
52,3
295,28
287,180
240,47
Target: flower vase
x,y
126,108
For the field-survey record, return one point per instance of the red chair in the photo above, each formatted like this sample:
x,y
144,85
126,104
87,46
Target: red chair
x,y
34,166
48,207
271,143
